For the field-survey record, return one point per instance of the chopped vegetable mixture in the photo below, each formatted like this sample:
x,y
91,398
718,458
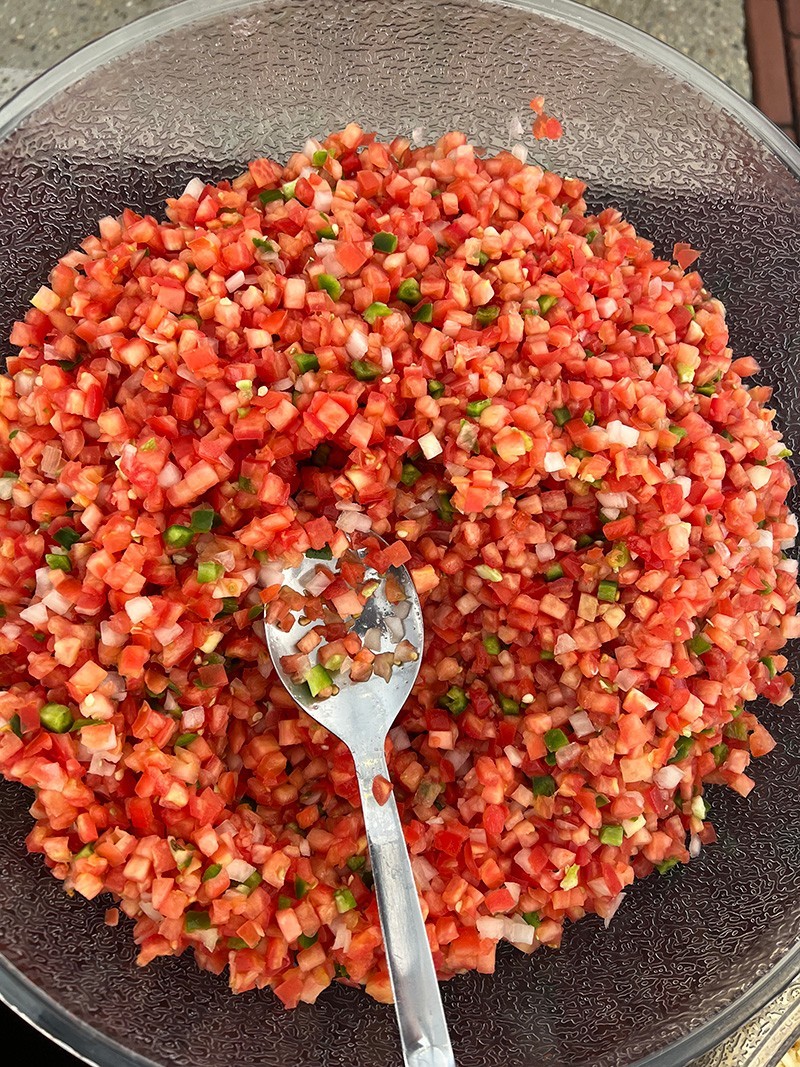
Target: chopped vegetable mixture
x,y
331,599
446,349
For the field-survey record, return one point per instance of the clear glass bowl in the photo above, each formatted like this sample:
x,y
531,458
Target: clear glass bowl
x,y
198,90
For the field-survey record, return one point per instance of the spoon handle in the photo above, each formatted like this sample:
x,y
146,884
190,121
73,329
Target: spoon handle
x,y
417,1001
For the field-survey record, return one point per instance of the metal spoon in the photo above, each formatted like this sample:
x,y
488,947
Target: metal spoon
x,y
361,714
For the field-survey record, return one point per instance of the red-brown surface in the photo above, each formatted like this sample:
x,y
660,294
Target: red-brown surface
x,y
773,44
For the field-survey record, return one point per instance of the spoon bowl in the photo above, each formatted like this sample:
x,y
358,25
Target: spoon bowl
x,y
359,713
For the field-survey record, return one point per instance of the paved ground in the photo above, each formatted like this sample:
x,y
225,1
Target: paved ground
x,y
710,31
34,34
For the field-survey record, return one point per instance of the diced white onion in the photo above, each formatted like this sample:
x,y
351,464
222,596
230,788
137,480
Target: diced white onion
x,y
226,559
208,938
567,753
612,500
166,634
357,345
350,521
515,127
759,476
138,608
111,637
545,552
169,475
44,583
372,639
322,250
554,461
429,443
520,152
194,188
518,932
626,679
236,281
25,382
270,574
343,938
620,434
101,765
323,198
399,738
193,718
424,872
52,458
36,614
467,603
57,603
467,436
240,870
114,686
722,550
668,777
523,796
457,757
513,755
613,908
581,724
564,644
491,926
633,826
317,584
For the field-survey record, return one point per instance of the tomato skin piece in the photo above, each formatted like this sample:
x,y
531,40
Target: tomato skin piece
x,y
619,529
381,789
198,479
494,817
351,257
140,811
451,840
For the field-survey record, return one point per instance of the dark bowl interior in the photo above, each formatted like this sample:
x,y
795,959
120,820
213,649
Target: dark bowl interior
x,y
198,92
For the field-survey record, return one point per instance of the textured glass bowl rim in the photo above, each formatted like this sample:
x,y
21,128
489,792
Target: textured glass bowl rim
x,y
16,991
